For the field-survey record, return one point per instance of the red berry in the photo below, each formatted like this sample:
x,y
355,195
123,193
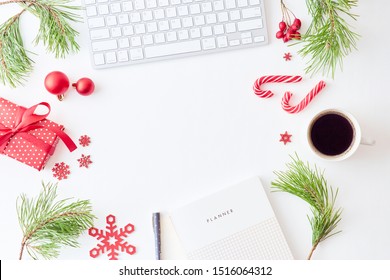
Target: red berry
x,y
285,39
297,22
282,26
279,34
294,27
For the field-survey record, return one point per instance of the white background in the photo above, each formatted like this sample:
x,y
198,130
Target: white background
x,y
166,133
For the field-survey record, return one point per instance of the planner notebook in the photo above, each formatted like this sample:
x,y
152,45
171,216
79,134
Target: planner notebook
x,y
237,223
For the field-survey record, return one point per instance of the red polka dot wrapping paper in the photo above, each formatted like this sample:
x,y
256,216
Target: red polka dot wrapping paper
x,y
19,148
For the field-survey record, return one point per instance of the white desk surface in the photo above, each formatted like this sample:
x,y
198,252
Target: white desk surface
x,y
166,133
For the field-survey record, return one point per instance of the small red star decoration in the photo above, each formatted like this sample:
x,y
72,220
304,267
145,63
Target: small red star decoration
x,y
61,171
84,161
285,138
85,140
287,56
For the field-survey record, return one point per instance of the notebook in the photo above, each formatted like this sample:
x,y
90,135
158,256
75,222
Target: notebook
x,y
236,223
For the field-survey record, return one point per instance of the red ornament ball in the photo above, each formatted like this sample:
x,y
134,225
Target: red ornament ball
x,y
56,83
84,86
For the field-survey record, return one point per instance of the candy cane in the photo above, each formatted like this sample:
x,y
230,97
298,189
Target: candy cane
x,y
302,105
272,79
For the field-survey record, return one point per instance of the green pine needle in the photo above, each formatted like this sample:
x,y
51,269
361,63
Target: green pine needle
x,y
55,32
15,64
329,37
48,224
311,186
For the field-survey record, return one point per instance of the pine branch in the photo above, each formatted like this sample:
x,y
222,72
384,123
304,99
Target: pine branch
x,y
55,32
15,63
329,37
310,185
48,224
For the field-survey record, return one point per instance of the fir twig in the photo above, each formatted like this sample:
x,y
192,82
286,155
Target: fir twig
x,y
55,32
329,37
48,224
310,185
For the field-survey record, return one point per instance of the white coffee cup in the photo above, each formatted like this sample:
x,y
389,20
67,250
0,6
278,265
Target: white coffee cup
x,y
335,134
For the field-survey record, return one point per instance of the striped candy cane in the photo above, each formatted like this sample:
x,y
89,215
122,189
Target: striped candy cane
x,y
272,79
301,105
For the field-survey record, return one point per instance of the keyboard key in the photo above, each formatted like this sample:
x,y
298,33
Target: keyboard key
x,y
242,3
254,2
175,2
139,28
123,56
230,4
207,31
159,14
163,3
148,39
115,8
174,48
110,57
104,45
246,41
98,58
199,20
250,24
218,29
95,22
211,18
89,2
123,43
171,36
151,27
103,10
128,30
102,1
147,15
251,12
139,4
188,22
187,1
175,23
163,25
222,42
116,32
195,33
223,17
195,9
218,5
91,11
136,54
182,11
135,41
207,7
135,17
127,6
259,39
159,38
111,20
208,43
183,34
123,19
170,12
151,4
230,27
235,15
99,34
234,42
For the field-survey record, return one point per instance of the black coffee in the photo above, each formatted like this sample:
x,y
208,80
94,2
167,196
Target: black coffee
x,y
332,134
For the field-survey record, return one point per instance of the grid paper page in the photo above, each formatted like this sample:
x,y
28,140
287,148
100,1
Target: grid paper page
x,y
264,241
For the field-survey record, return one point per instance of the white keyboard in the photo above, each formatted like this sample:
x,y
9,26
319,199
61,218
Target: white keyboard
x,y
135,31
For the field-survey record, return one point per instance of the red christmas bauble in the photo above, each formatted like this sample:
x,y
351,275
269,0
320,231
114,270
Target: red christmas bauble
x,y
84,86
56,83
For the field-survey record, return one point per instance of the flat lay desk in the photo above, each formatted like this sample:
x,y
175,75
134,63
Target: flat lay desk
x,y
166,133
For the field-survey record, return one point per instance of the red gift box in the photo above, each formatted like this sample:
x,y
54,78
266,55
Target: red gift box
x,y
28,137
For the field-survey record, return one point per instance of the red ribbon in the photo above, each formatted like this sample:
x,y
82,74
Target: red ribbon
x,y
26,120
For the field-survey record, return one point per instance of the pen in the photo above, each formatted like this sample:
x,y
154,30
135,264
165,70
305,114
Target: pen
x,y
157,235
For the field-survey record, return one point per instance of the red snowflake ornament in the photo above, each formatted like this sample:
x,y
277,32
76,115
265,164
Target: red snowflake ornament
x,y
85,140
285,138
112,239
84,161
61,171
287,56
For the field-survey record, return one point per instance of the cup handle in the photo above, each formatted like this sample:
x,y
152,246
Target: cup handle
x,y
367,141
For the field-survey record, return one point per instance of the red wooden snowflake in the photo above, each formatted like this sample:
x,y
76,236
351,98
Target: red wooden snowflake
x,y
84,161
287,56
85,140
285,138
61,171
111,240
